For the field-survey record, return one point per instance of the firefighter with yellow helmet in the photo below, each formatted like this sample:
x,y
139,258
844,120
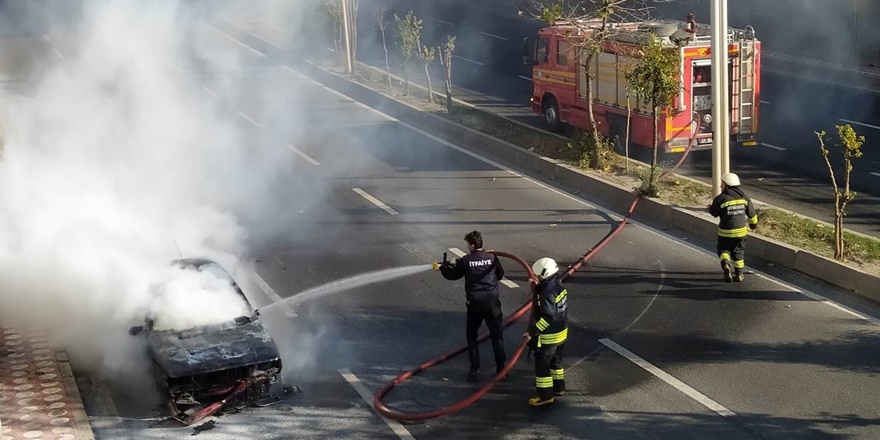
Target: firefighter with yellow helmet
x,y
737,215
549,332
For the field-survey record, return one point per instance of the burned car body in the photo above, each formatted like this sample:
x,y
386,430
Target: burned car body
x,y
203,368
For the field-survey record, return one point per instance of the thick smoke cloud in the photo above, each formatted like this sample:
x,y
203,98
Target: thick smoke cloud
x,y
116,161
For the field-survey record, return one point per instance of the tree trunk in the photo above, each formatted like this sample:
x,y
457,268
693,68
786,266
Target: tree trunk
x,y
448,66
591,117
405,78
626,136
656,137
387,66
430,89
838,229
353,20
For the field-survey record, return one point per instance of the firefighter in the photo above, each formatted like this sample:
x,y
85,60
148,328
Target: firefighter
x,y
547,336
481,271
737,215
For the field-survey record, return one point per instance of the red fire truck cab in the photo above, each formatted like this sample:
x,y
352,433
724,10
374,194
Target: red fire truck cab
x,y
559,83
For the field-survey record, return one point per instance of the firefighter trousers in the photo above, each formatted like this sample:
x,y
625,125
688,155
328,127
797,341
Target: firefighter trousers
x,y
491,313
732,251
549,374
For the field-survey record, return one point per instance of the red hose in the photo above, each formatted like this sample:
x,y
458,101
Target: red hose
x,y
397,415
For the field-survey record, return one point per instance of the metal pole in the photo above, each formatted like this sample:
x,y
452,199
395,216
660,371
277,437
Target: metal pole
x,y
720,88
345,26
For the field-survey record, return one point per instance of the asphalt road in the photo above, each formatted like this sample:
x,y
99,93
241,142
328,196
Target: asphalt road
x,y
787,170
659,348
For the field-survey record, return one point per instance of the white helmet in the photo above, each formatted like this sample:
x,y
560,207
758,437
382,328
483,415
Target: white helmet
x,y
545,268
730,179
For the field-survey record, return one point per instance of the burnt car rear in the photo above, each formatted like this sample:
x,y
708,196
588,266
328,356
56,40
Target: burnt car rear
x,y
203,368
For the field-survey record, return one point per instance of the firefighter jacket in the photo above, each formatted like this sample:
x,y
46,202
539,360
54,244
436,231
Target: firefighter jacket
x,y
481,271
736,211
551,312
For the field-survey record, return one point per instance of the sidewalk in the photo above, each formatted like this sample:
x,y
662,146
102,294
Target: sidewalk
x,y
38,395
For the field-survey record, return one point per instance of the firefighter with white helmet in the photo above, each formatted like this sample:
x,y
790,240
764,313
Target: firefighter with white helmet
x,y
549,332
737,215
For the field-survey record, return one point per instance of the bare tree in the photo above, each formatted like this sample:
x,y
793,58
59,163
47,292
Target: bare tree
x,y
593,23
426,55
446,50
381,13
851,143
333,12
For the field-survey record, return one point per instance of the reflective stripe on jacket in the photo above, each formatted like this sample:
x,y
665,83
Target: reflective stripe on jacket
x,y
551,312
736,212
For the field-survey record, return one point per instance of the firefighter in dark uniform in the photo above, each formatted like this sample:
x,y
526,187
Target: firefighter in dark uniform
x,y
738,215
548,334
481,271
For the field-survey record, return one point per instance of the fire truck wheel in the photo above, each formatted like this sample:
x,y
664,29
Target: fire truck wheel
x,y
551,114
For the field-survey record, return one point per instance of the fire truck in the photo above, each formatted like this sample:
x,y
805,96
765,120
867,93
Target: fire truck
x,y
559,83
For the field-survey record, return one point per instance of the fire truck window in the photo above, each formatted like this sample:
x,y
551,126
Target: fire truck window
x,y
541,55
562,53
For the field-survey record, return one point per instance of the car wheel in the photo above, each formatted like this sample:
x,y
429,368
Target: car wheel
x,y
551,115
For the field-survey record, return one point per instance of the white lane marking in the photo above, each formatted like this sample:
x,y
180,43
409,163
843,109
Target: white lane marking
x,y
176,67
875,174
241,43
251,120
469,60
819,298
764,102
59,54
273,296
460,253
612,215
772,146
358,386
209,91
524,77
375,201
46,37
264,40
666,377
860,123
492,35
440,21
331,49
303,155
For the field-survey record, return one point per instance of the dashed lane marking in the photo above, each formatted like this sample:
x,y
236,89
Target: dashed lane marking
x,y
875,174
666,377
273,296
440,21
460,253
365,394
250,120
303,155
492,35
469,60
764,102
860,123
375,201
524,77
209,91
772,146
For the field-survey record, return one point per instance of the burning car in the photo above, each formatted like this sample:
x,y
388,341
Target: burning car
x,y
201,368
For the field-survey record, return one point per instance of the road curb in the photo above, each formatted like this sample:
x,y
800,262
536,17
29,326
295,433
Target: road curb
x,y
80,417
618,198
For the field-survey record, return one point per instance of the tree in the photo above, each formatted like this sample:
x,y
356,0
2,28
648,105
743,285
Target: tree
x,y
409,30
851,143
426,55
593,21
446,50
381,13
333,13
654,79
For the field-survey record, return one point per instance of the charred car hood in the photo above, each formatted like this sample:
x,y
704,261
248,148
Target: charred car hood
x,y
211,348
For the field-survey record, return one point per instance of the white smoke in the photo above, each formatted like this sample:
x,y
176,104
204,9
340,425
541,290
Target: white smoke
x,y
117,160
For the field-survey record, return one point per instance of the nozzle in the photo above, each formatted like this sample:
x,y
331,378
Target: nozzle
x,y
436,266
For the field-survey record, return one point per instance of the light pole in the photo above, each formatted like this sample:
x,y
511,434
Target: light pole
x,y
346,26
720,97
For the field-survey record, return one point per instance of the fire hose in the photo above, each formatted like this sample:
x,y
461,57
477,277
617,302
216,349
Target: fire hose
x,y
384,410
